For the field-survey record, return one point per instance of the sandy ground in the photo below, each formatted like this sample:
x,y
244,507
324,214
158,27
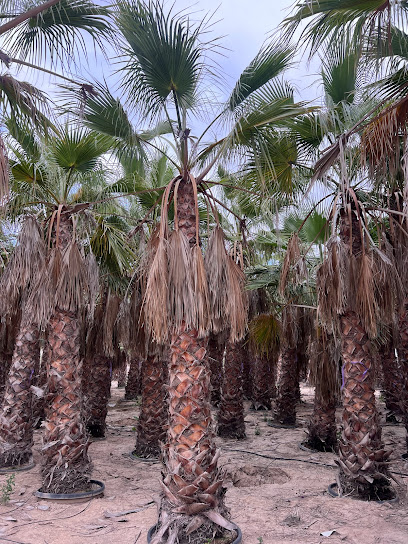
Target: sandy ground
x,y
273,501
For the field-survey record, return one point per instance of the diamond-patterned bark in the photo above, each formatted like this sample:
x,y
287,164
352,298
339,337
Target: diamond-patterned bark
x,y
261,388
134,380
152,424
96,394
65,461
285,411
231,409
16,424
362,455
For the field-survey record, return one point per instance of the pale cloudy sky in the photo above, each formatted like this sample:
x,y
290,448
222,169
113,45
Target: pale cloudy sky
x,y
244,26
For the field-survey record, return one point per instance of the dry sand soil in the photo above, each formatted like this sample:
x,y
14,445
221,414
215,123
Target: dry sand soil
x,y
277,493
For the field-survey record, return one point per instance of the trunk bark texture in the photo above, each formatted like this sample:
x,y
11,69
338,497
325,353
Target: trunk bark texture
x,y
192,487
285,411
231,409
16,417
134,382
261,389
362,459
65,461
247,379
152,424
392,381
215,352
97,386
362,456
40,380
403,359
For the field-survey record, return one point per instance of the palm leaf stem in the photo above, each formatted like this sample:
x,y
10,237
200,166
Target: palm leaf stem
x,y
314,208
209,195
144,219
27,15
153,190
12,60
233,187
197,143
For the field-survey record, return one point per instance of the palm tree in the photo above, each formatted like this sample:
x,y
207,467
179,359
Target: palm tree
x,y
165,62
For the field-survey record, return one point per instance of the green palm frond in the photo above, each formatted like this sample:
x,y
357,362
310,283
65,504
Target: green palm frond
x,y
164,56
57,34
351,20
270,62
80,150
20,99
339,74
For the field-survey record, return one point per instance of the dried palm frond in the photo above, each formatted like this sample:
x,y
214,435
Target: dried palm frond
x,y
216,265
72,286
365,301
264,335
181,301
332,283
201,294
237,306
324,357
290,330
112,306
389,289
156,295
294,267
4,173
25,266
380,139
93,283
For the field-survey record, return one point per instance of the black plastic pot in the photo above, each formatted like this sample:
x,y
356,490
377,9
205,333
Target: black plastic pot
x,y
333,493
238,540
17,468
405,456
74,496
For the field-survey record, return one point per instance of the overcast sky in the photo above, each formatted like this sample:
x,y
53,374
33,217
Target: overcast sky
x,y
244,26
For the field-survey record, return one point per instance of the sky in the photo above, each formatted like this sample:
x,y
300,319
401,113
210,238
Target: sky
x,y
244,25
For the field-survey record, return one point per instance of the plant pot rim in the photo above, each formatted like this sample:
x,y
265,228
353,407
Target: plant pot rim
x,y
333,493
238,540
73,496
17,468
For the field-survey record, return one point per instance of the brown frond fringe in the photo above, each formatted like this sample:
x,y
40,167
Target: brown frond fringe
x,y
264,335
332,284
4,174
216,265
324,356
290,331
365,300
24,267
109,323
72,287
93,283
181,299
62,283
237,301
388,284
380,141
201,294
156,295
294,268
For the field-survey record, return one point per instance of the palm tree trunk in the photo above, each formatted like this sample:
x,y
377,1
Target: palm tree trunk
x,y
261,390
5,365
231,410
362,457
40,380
122,369
247,379
16,425
215,352
403,359
97,390
133,385
65,461
151,427
285,410
192,486
392,381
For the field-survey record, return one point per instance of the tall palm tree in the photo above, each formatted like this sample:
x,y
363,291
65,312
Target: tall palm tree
x,y
164,64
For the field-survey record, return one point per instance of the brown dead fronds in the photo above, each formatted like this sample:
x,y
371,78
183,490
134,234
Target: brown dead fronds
x,y
4,173
237,301
109,330
294,268
25,266
216,266
201,294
